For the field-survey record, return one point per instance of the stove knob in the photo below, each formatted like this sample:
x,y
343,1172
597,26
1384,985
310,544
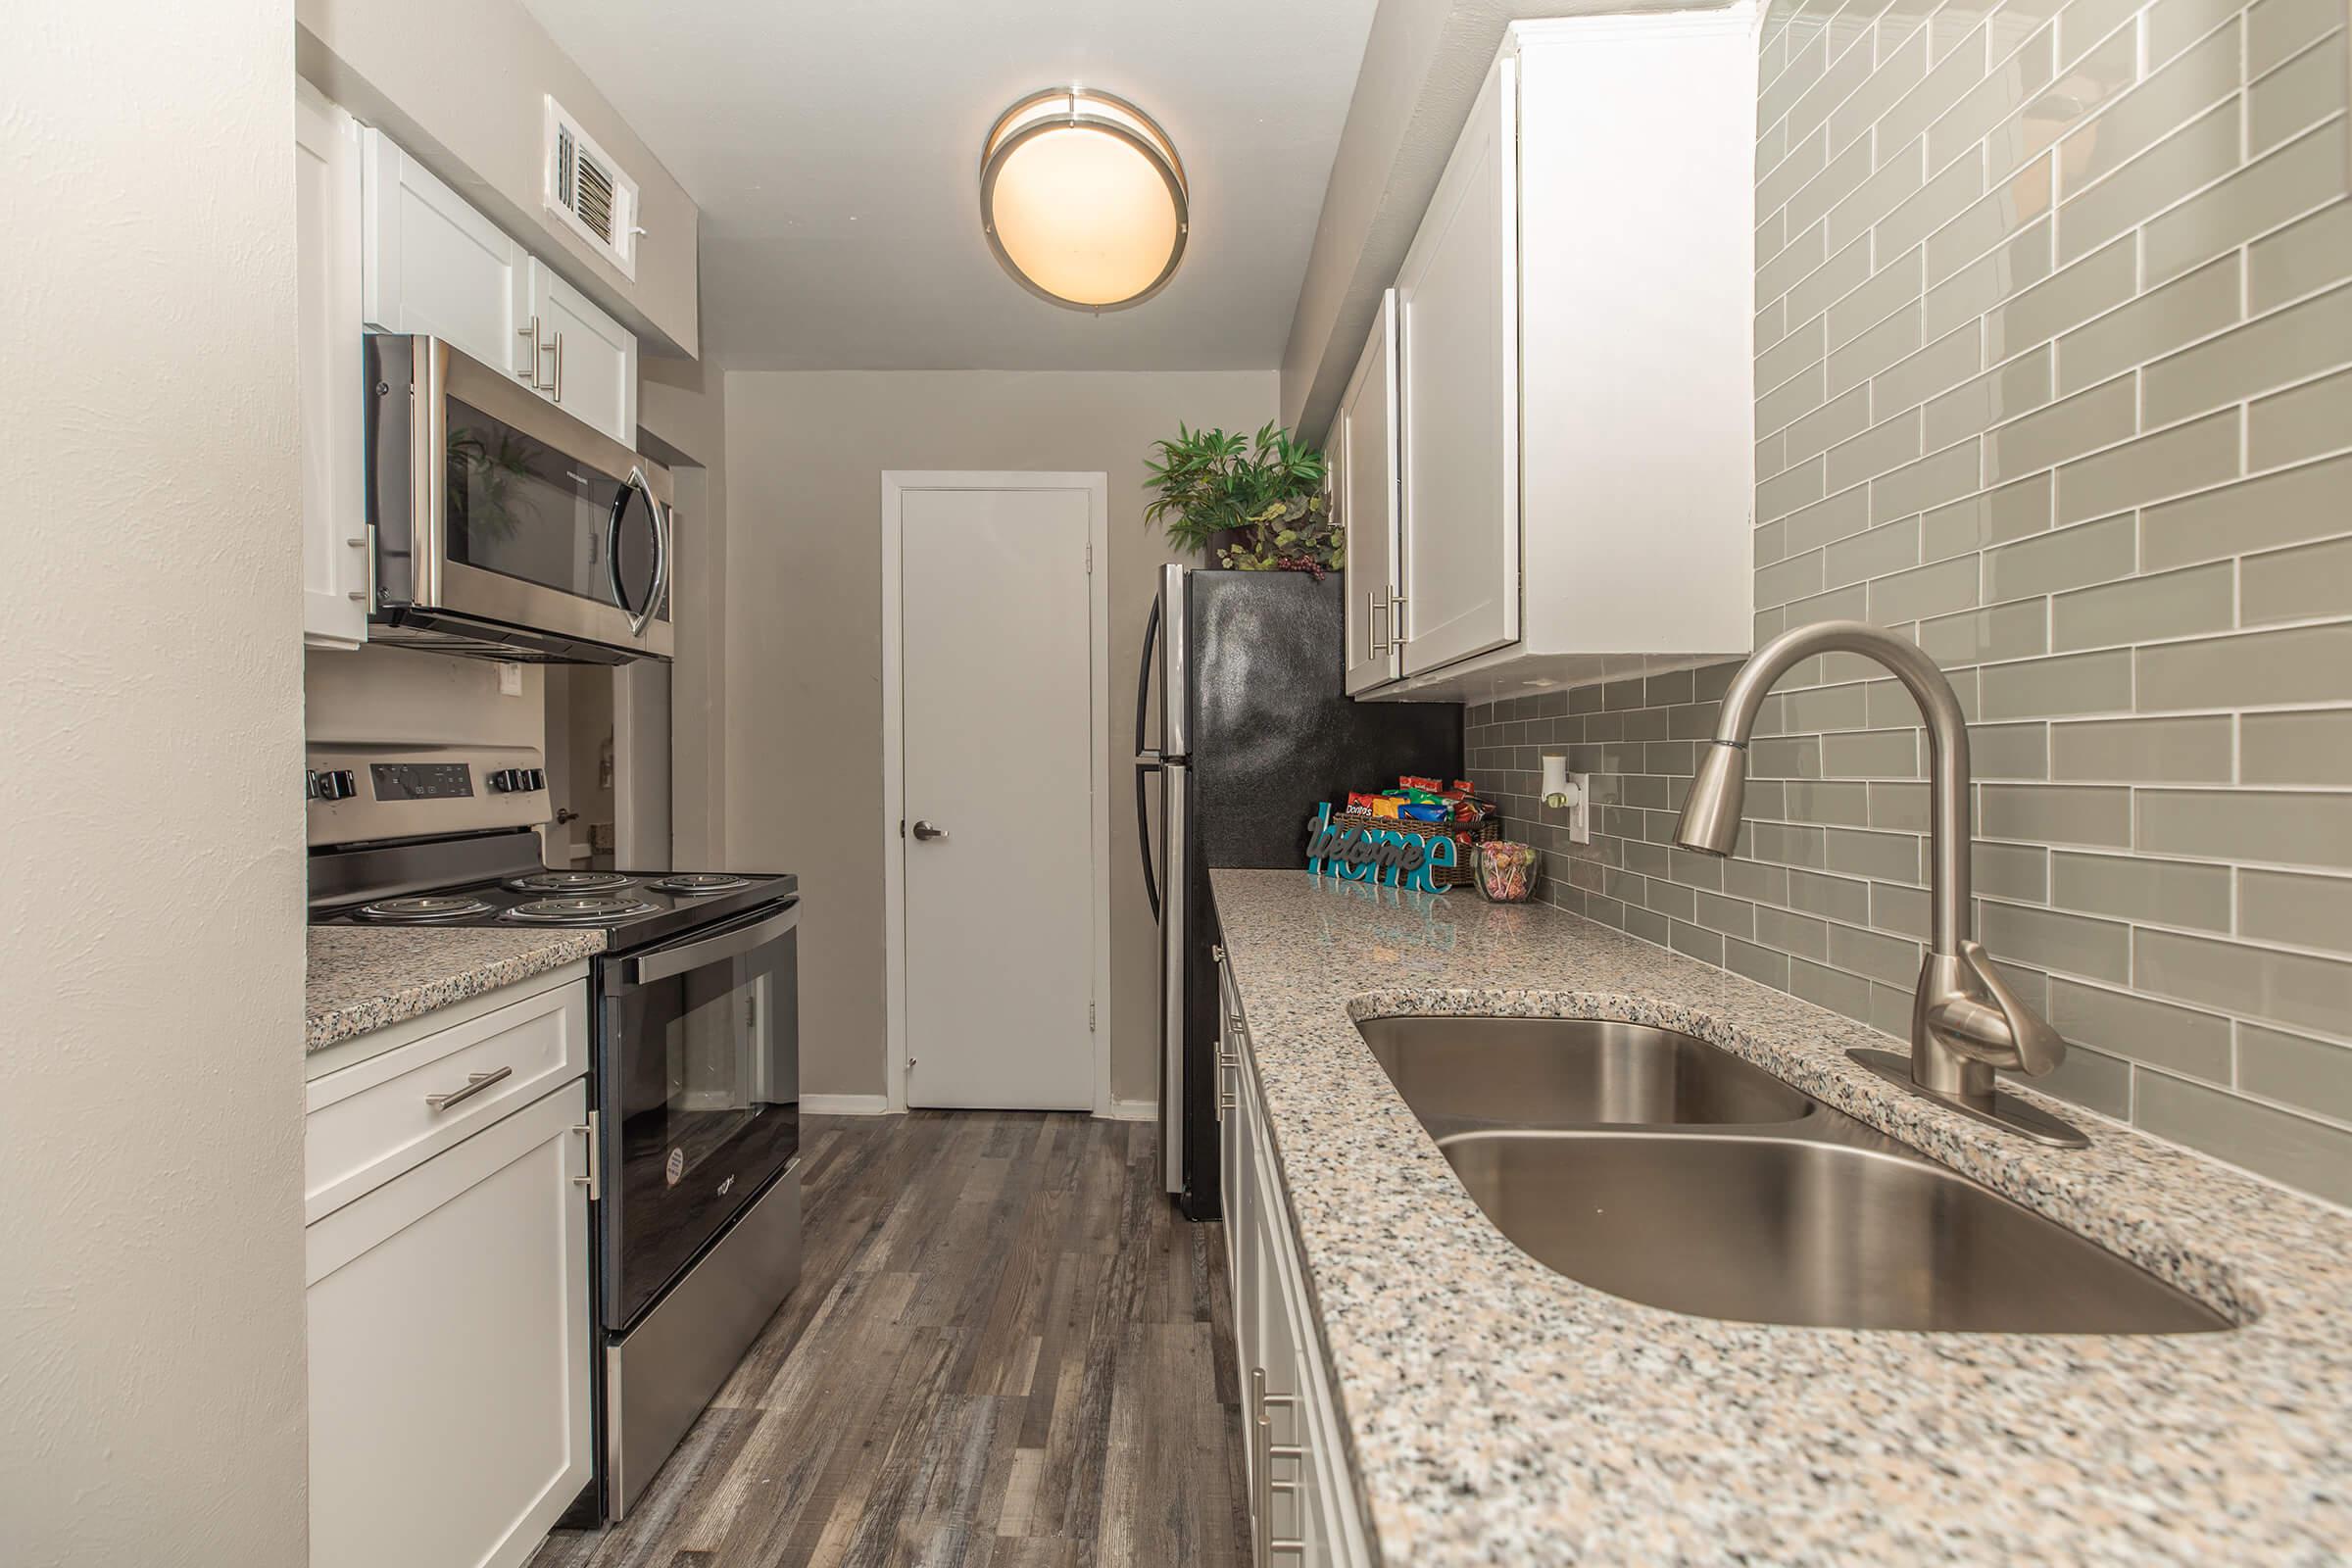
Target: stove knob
x,y
506,780
338,784
538,777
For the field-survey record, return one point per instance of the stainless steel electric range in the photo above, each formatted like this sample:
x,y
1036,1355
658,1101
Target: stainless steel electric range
x,y
695,1079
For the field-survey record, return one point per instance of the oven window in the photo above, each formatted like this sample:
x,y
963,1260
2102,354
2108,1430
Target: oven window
x,y
699,1077
710,1094
520,507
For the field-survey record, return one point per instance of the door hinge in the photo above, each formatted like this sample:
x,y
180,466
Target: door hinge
x,y
902,827
1090,1018
1090,560
751,1014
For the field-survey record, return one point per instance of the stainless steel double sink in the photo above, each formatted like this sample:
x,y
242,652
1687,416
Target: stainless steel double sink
x,y
1659,1167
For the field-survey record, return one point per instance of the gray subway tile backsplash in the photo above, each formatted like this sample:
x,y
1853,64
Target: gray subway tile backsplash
x,y
2097,460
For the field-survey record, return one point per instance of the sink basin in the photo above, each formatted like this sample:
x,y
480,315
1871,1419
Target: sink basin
x,y
1799,1229
1459,1074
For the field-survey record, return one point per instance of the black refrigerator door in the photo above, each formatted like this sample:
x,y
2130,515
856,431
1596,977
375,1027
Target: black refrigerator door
x,y
1274,733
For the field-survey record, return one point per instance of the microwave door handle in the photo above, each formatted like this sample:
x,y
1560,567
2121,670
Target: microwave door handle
x,y
664,962
664,520
638,617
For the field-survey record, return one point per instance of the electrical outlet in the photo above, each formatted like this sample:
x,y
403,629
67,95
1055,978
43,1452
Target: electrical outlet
x,y
509,679
1580,812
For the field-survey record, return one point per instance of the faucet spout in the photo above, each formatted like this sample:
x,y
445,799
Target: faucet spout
x,y
1965,1021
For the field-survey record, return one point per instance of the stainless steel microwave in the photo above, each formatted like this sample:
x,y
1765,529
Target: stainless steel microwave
x,y
500,525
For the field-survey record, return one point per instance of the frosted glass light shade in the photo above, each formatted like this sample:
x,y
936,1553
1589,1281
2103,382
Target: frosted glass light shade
x,y
1082,199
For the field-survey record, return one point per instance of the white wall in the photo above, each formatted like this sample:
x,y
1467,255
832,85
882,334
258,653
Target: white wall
x,y
151,876
803,592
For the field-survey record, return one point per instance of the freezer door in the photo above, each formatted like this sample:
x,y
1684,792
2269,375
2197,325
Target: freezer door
x,y
1175,781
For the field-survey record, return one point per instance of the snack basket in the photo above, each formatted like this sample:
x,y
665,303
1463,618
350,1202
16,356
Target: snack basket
x,y
1464,872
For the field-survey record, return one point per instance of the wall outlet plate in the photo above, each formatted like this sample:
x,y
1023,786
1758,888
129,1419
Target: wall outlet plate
x,y
509,680
1579,814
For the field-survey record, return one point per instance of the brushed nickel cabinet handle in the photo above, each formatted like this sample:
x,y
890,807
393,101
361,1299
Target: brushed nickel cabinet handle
x,y
530,374
1374,642
1396,633
475,1083
590,1181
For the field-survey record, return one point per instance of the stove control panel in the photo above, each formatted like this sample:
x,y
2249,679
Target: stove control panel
x,y
369,792
421,781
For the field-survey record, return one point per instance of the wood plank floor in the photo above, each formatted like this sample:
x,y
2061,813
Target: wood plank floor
x,y
1008,1350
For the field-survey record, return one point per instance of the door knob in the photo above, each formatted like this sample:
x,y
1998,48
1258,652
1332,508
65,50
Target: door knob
x,y
924,830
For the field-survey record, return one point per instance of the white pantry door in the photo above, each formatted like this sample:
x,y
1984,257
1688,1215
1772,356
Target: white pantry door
x,y
996,641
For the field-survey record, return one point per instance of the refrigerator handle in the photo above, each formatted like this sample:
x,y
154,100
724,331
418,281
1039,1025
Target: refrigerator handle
x,y
1144,769
1147,760
1142,681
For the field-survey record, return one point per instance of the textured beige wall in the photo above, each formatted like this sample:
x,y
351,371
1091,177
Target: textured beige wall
x,y
681,404
2054,374
383,693
150,877
804,576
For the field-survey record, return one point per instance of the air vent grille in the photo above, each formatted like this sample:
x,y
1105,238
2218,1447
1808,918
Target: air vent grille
x,y
592,192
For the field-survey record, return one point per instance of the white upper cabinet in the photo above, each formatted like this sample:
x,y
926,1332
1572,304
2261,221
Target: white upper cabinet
x,y
588,359
1457,331
1573,337
434,265
1363,479
326,217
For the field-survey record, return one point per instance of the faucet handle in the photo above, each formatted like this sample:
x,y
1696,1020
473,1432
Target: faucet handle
x,y
2007,1034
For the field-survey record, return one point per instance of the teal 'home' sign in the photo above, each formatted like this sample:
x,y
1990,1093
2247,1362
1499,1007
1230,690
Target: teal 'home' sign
x,y
1368,855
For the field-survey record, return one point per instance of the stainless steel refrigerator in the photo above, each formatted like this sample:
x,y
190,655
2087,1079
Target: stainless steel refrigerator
x,y
1245,673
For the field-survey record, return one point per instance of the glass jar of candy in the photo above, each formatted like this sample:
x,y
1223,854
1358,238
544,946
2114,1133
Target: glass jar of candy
x,y
1507,872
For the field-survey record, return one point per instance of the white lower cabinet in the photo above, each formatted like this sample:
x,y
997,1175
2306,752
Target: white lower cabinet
x,y
1302,1509
450,1349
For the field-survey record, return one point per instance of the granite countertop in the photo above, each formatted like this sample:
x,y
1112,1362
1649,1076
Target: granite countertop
x,y
361,979
1499,1412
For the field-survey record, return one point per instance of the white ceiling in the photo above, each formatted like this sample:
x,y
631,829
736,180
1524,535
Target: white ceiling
x,y
834,149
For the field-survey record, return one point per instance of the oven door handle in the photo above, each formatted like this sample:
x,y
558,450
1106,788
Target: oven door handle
x,y
727,943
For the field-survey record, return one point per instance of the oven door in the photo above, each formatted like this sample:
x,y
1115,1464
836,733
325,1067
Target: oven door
x,y
698,1096
493,506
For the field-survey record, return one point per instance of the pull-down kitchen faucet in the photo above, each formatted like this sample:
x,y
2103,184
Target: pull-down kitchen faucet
x,y
1965,1020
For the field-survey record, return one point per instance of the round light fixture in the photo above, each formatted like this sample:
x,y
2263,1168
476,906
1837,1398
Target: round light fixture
x,y
1082,199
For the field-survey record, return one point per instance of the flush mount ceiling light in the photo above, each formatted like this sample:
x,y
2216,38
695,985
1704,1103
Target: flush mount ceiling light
x,y
1082,199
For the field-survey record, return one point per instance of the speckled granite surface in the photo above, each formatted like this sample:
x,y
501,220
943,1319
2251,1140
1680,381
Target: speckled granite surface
x,y
363,979
1499,1412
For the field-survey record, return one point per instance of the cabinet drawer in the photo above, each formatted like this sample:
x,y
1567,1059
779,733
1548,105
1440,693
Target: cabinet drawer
x,y
368,1122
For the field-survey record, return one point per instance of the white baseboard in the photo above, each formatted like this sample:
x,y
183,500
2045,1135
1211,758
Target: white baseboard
x,y
846,1105
1132,1110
